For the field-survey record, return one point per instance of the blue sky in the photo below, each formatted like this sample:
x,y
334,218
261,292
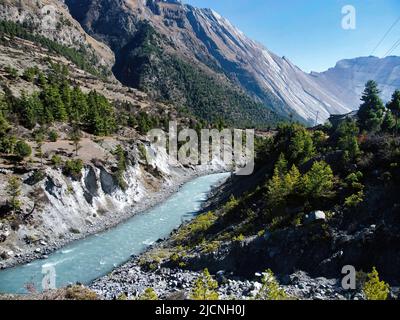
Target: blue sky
x,y
309,32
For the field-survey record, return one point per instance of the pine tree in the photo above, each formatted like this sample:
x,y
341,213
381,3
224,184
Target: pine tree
x,y
282,185
374,288
348,132
78,107
149,295
389,123
100,117
301,148
281,165
4,125
270,289
318,182
22,150
276,191
52,100
372,110
30,74
31,111
14,192
394,107
7,144
205,287
39,139
66,96
75,136
292,180
276,186
121,158
42,80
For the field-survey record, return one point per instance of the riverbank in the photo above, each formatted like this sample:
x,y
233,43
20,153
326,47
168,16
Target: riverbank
x,y
152,200
131,280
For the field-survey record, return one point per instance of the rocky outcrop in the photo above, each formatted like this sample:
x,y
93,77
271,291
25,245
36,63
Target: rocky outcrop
x,y
51,19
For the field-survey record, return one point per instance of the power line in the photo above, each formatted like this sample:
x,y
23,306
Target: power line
x,y
395,45
380,42
385,35
392,49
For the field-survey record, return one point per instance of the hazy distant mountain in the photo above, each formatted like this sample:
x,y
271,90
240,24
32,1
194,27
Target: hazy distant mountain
x,y
347,79
209,43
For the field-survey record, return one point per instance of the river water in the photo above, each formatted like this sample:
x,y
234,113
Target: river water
x,y
85,260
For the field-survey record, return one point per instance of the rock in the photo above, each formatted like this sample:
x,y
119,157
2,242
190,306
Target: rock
x,y
174,284
4,256
315,216
38,250
3,238
220,276
256,286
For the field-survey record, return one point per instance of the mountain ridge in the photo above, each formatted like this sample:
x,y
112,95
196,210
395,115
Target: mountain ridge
x,y
211,41
347,78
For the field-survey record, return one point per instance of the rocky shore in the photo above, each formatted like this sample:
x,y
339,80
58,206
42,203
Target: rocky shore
x,y
130,280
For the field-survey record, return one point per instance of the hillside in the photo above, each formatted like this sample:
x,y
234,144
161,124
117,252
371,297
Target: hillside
x,y
51,20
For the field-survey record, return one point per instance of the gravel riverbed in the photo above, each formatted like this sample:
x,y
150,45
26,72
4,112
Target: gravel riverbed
x,y
131,280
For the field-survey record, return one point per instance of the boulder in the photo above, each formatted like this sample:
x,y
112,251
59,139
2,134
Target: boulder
x,y
4,255
315,216
220,276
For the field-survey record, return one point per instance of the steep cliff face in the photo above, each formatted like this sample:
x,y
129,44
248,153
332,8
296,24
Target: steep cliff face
x,y
212,43
347,79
